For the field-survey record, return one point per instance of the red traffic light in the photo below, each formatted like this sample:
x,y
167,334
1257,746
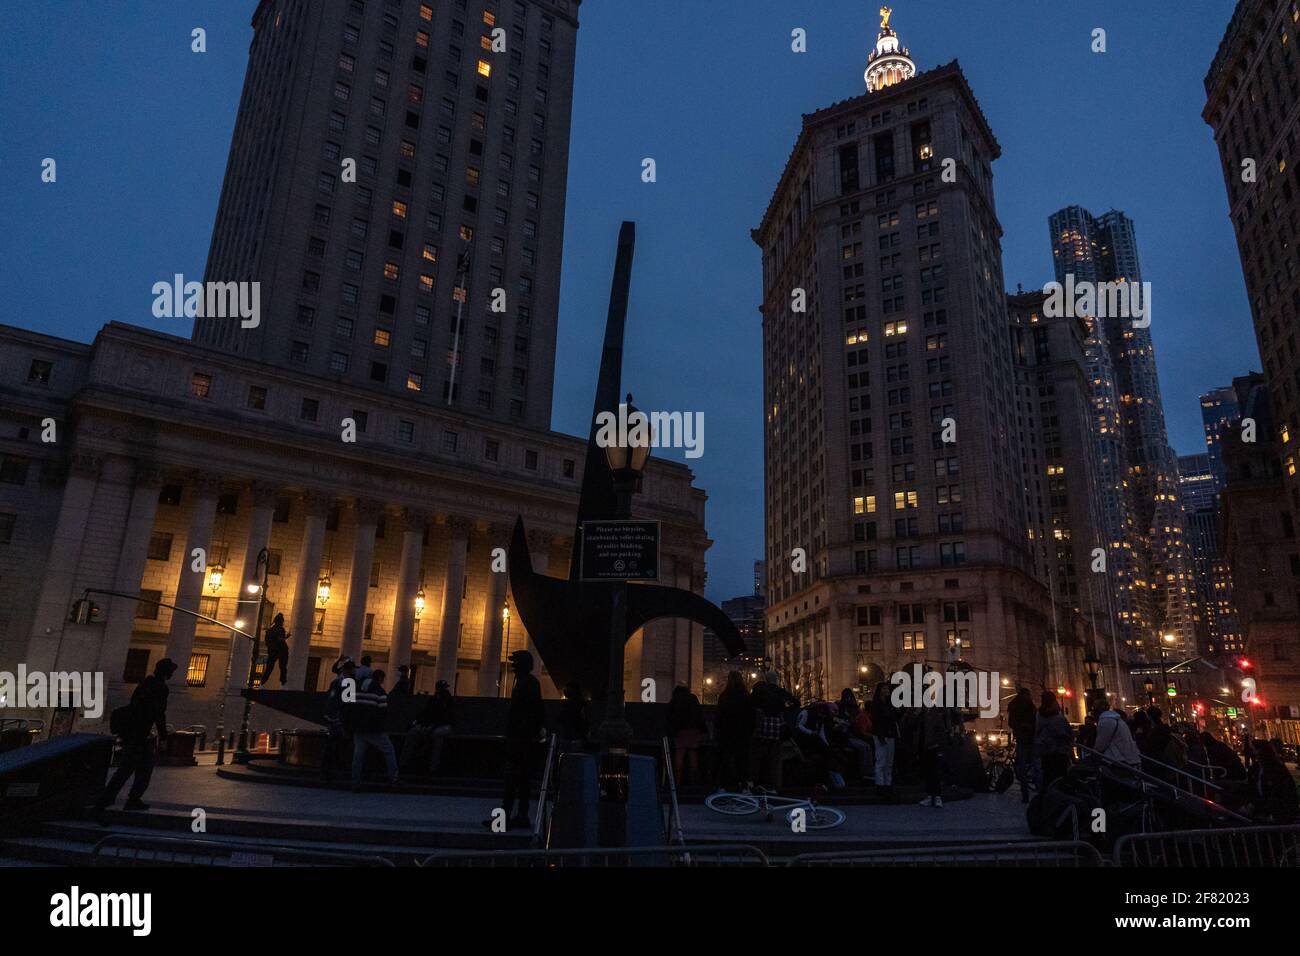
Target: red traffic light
x,y
1245,664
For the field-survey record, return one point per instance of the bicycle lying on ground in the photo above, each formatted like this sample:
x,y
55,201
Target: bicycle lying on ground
x,y
762,801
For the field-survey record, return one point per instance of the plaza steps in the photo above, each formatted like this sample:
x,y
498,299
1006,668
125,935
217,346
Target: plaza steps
x,y
72,842
271,772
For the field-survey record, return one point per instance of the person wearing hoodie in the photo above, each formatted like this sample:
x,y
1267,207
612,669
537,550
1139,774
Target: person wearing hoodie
x,y
525,722
1115,739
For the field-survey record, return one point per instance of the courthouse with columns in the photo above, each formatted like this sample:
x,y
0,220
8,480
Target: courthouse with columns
x,y
381,546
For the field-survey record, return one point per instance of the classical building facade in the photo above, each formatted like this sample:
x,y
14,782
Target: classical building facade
x,y
896,528
380,516
396,184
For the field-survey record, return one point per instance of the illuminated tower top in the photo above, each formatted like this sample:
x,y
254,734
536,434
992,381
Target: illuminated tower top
x,y
888,63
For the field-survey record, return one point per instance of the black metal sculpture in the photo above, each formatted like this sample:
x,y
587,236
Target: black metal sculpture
x,y
569,621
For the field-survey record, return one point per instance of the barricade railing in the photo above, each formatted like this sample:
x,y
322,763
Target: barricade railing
x,y
674,827
1236,846
1148,782
668,856
1062,854
136,849
543,795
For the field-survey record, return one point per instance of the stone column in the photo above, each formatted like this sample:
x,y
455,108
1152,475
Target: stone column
x,y
452,592
363,556
317,506
55,598
130,571
408,582
190,583
539,549
259,536
489,666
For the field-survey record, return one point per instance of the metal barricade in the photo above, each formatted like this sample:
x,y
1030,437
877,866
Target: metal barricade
x,y
667,856
133,849
1064,854
1236,846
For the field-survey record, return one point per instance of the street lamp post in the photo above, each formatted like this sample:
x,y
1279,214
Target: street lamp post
x,y
626,461
263,567
505,616
1092,668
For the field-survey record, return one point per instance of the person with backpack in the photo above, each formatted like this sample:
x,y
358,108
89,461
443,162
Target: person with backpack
x,y
368,718
1115,739
132,725
1053,740
770,704
277,651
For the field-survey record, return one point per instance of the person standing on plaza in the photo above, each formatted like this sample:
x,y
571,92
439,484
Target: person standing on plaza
x,y
431,727
685,728
770,704
525,722
734,724
884,735
369,719
933,732
345,671
1053,739
403,686
277,651
1022,717
1115,739
147,710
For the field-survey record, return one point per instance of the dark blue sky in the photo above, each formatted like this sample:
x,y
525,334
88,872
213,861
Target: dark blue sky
x,y
140,127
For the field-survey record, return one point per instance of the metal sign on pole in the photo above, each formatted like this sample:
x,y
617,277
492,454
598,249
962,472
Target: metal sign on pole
x,y
620,550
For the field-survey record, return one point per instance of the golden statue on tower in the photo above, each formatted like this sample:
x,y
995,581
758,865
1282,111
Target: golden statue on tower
x,y
885,14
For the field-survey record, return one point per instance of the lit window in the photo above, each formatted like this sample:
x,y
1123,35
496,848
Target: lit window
x,y
426,12
390,270
201,385
383,337
415,381
864,505
430,252
399,209
484,68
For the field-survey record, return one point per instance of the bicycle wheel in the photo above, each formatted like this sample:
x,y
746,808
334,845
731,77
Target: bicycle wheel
x,y
817,818
732,804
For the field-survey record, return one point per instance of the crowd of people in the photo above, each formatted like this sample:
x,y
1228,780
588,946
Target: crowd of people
x,y
1255,782
755,733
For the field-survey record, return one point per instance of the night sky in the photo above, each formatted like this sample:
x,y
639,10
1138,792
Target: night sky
x,y
140,127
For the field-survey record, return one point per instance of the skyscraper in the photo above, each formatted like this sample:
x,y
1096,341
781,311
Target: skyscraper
x,y
1252,96
1148,554
396,183
1200,492
1218,411
896,528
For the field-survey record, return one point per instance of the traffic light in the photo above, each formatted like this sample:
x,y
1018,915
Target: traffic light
x,y
84,611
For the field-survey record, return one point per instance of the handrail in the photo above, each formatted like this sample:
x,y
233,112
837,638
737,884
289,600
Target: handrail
x,y
1180,772
1148,778
675,816
321,856
541,796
